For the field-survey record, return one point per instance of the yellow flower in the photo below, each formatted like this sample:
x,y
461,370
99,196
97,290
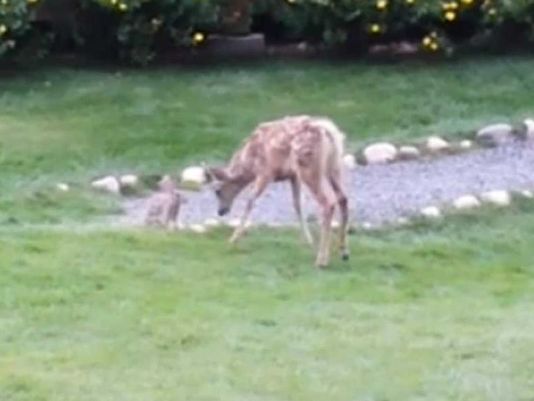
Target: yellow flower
x,y
492,11
468,2
199,37
114,2
381,4
450,15
434,46
410,1
3,29
32,1
375,28
450,6
427,41
4,2
123,7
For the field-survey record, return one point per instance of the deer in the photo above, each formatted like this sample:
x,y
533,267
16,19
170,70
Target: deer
x,y
164,206
303,150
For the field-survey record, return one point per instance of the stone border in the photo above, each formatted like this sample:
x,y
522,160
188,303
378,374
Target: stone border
x,y
463,204
194,177
470,202
436,146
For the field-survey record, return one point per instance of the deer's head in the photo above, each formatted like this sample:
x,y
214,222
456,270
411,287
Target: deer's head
x,y
225,186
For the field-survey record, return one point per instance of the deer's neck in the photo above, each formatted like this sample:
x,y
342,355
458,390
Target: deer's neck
x,y
242,177
241,167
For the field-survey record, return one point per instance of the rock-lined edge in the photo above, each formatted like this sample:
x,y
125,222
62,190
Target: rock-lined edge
x,y
492,135
194,177
468,203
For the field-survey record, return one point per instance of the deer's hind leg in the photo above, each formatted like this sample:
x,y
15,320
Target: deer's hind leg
x,y
342,200
325,197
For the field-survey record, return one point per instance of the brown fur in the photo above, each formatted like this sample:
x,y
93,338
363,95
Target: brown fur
x,y
301,149
164,206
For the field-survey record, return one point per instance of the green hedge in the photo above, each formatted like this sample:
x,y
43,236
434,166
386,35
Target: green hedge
x,y
15,24
437,24
139,30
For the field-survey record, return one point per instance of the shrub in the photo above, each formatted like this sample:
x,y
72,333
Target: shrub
x,y
512,22
439,24
277,20
136,30
235,16
15,24
139,30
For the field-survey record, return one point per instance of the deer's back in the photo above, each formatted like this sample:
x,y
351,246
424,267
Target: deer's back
x,y
276,147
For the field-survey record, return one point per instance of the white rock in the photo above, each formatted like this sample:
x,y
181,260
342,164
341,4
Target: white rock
x,y
402,221
63,187
129,180
409,153
349,161
529,128
497,198
198,228
380,153
431,212
335,224
194,175
466,202
466,144
437,144
527,194
107,184
495,134
212,223
302,46
367,226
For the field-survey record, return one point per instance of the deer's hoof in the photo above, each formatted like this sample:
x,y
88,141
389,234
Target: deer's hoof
x,y
345,257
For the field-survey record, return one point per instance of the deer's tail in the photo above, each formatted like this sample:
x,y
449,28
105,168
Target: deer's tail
x,y
334,142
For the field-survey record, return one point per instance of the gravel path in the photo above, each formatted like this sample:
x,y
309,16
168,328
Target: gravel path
x,y
383,193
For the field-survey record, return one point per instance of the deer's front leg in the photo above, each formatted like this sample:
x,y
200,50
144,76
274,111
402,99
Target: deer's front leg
x,y
259,186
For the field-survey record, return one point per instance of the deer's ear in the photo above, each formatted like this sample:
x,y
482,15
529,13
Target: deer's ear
x,y
216,174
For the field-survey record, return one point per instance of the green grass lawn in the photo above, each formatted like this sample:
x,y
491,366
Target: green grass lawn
x,y
428,313
431,312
